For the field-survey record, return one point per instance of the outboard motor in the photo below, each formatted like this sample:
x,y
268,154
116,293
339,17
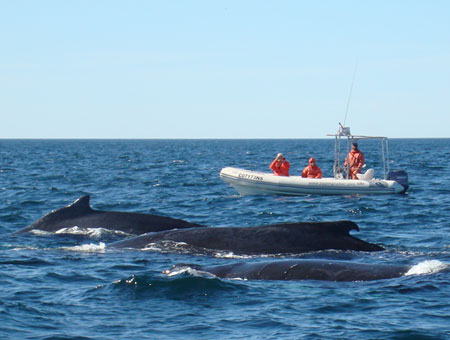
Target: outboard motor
x,y
400,176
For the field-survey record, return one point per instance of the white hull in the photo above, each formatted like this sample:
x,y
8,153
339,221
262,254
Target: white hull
x,y
248,182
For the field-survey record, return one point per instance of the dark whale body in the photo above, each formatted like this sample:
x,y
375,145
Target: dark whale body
x,y
302,269
271,239
80,214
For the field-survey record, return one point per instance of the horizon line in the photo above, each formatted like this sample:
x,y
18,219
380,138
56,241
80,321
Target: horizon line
x,y
194,138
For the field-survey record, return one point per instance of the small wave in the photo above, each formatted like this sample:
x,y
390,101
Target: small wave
x,y
187,284
427,267
180,270
88,248
27,262
20,248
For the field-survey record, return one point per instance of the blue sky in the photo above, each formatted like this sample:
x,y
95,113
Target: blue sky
x,y
223,69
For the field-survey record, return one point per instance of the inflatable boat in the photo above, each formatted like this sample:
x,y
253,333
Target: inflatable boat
x,y
247,182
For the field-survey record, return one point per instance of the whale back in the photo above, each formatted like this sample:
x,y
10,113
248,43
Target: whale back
x,y
80,214
53,220
79,207
341,228
302,269
297,237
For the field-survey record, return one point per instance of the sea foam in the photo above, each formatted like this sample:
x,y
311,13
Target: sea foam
x,y
427,267
178,270
91,232
88,248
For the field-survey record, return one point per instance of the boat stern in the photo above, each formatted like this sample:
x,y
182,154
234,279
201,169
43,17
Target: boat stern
x,y
399,176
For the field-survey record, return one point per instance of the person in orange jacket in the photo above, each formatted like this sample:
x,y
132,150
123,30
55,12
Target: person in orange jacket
x,y
280,166
312,170
354,161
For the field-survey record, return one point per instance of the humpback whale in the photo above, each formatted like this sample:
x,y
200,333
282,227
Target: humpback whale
x,y
80,214
270,239
301,269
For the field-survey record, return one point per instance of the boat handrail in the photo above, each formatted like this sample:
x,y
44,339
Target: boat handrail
x,y
344,133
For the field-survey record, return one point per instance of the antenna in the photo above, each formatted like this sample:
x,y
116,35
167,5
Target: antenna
x,y
350,95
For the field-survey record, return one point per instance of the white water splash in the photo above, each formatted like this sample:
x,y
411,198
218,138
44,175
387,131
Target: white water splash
x,y
152,247
91,232
88,248
165,246
427,267
38,232
231,255
186,269
178,271
19,248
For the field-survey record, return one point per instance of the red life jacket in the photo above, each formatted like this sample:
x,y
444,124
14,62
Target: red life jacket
x,y
312,171
280,168
355,160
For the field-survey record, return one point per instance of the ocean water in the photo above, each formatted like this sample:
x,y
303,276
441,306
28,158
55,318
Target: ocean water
x,y
72,286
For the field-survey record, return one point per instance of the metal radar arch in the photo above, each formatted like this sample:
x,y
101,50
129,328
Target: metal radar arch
x,y
344,136
342,146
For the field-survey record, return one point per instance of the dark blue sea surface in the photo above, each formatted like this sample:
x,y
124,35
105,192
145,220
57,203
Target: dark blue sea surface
x,y
72,286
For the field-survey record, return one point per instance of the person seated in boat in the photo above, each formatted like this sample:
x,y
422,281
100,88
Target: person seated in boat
x,y
312,170
280,166
354,161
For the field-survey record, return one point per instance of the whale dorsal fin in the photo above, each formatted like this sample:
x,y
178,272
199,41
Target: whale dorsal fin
x,y
342,227
346,226
334,227
81,205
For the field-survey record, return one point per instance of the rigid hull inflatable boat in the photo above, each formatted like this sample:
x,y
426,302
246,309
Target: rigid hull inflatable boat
x,y
248,182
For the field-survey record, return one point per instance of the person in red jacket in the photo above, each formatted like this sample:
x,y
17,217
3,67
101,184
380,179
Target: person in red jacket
x,y
280,166
312,170
354,161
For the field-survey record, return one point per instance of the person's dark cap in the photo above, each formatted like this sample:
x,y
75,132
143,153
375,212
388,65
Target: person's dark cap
x,y
355,144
